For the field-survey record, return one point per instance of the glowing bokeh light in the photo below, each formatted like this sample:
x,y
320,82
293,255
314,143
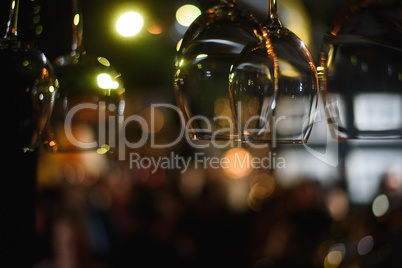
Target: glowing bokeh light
x,y
179,44
380,205
106,82
335,256
154,29
186,14
333,259
129,24
365,245
103,61
337,203
76,19
103,149
237,163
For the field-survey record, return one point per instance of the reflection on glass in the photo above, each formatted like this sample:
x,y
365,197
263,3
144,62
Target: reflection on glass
x,y
89,103
253,86
297,86
361,64
207,50
30,84
297,83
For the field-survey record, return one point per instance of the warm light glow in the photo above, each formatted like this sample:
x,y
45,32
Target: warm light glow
x,y
179,44
103,61
154,29
337,203
335,256
393,181
237,163
106,82
76,19
186,14
103,149
129,24
333,259
52,143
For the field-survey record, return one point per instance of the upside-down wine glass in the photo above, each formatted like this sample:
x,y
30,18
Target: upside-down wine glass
x,y
30,84
207,51
90,100
361,71
297,95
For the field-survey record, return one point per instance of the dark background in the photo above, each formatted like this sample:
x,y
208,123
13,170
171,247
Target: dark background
x,y
124,220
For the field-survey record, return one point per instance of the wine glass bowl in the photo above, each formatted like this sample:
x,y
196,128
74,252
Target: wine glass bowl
x,y
361,71
206,53
253,87
297,87
293,71
30,84
90,102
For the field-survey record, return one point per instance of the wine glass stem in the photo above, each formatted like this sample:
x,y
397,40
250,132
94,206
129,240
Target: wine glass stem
x,y
11,30
273,18
77,45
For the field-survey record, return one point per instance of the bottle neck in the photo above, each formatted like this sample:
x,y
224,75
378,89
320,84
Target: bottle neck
x,y
77,45
11,31
273,18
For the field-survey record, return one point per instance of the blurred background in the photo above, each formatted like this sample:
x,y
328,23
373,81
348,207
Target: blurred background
x,y
93,210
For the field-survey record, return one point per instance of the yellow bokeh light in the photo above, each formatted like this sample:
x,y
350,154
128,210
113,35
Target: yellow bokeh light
x,y
106,82
103,61
333,259
129,24
76,19
186,14
179,44
103,149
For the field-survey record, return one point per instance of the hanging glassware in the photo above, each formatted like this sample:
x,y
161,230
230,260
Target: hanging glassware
x,y
90,100
361,71
253,86
297,96
30,86
206,53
